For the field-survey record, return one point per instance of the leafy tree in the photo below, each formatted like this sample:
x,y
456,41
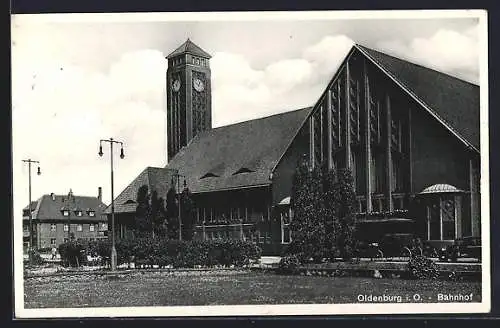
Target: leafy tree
x,y
308,228
157,215
142,214
150,214
172,213
332,222
344,200
187,215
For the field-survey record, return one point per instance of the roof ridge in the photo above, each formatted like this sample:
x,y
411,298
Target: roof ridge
x,y
260,118
411,92
37,208
416,64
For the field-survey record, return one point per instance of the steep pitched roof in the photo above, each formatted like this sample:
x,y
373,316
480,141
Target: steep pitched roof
x,y
211,161
49,208
33,205
156,178
190,48
453,101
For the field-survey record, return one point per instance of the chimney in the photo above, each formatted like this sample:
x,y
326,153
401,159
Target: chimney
x,y
99,194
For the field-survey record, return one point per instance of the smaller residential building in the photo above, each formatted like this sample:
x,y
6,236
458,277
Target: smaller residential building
x,y
57,218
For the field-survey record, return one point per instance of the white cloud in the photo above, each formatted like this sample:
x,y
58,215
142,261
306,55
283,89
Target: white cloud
x,y
329,52
61,111
223,67
449,51
242,92
288,74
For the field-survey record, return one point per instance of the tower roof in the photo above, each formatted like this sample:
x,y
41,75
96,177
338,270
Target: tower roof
x,y
190,48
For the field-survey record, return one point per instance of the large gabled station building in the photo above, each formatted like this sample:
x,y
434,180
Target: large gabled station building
x,y
408,133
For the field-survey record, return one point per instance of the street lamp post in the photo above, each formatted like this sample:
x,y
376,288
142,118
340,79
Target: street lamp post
x,y
30,248
177,176
122,155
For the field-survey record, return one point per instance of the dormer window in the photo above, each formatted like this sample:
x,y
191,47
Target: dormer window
x,y
243,170
91,213
209,175
78,213
65,213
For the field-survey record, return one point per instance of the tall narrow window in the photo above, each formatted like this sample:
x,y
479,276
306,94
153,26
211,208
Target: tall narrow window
x,y
358,170
317,137
448,217
335,118
354,110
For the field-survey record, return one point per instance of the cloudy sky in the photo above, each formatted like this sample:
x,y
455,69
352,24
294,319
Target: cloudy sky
x,y
76,81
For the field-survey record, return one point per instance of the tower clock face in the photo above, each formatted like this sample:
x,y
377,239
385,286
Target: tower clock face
x,y
176,85
198,85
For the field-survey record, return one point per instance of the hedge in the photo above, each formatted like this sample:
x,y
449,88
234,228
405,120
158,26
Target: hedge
x,y
72,253
165,252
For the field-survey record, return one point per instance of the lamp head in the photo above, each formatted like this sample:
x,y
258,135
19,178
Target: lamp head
x,y
100,150
122,155
38,171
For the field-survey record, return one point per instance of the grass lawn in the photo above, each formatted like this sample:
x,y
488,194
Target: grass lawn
x,y
161,289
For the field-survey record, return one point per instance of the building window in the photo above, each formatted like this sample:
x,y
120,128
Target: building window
x,y
91,227
66,227
79,213
52,241
66,240
358,170
378,171
441,218
91,213
66,213
53,227
235,215
104,226
286,232
79,227
448,218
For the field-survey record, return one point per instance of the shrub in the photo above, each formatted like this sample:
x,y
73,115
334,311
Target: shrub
x,y
163,252
73,253
289,265
420,267
35,257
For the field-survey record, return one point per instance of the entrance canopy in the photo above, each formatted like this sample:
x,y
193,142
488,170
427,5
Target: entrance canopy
x,y
441,188
285,201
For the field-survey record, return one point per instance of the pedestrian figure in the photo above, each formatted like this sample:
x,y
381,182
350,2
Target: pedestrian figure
x,y
54,253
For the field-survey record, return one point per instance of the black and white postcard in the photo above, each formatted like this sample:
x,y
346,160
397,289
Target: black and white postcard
x,y
250,163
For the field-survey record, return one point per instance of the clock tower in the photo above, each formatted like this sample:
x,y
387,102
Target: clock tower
x,y
189,97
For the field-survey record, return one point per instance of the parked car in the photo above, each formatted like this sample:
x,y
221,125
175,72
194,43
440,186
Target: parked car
x,y
368,250
463,247
399,245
